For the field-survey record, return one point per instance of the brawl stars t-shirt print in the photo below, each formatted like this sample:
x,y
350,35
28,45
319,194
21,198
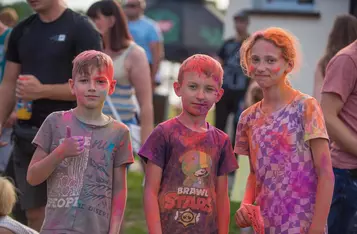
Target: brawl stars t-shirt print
x,y
191,162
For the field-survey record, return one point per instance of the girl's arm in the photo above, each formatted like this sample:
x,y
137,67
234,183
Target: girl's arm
x,y
151,201
241,216
139,76
323,166
118,199
318,81
249,195
223,205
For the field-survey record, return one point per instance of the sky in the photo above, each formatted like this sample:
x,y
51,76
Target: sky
x,y
84,4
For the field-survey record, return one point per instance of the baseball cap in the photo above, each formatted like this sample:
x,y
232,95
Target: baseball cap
x,y
241,15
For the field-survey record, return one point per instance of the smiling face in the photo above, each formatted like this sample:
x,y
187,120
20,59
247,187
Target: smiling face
x,y
91,88
267,65
198,93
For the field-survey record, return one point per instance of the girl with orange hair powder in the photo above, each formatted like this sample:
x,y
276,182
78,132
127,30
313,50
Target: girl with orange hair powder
x,y
284,135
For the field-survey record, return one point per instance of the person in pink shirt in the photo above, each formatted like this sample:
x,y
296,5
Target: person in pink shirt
x,y
339,105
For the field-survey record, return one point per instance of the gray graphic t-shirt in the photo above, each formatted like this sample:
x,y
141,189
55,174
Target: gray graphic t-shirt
x,y
79,191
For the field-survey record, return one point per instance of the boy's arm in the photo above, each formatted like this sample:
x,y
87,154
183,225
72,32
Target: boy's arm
x,y
325,185
223,205
119,199
43,164
151,202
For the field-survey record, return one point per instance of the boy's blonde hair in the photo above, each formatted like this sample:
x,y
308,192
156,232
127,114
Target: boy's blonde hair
x,y
9,17
7,196
87,60
202,64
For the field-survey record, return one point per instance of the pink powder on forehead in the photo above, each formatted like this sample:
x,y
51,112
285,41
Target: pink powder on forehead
x,y
202,64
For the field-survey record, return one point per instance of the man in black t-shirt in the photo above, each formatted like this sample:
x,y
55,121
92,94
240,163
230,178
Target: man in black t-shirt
x,y
42,46
235,83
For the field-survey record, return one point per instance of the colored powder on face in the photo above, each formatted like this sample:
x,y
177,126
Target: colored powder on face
x,y
202,64
276,70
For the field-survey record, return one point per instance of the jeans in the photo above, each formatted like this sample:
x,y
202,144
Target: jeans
x,y
343,213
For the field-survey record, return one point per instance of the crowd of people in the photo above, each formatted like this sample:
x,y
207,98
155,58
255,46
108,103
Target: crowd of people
x,y
73,86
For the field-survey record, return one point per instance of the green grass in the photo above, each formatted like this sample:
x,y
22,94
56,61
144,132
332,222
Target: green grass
x,y
134,222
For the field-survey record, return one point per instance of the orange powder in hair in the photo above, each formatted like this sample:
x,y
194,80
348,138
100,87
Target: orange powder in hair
x,y
279,37
202,64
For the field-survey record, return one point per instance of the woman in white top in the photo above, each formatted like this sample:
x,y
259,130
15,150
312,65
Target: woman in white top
x,y
131,67
7,202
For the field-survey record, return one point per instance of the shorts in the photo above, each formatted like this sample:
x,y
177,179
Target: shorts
x,y
30,196
5,151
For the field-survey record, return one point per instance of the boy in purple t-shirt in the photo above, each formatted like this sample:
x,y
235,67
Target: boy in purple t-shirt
x,y
186,188
83,155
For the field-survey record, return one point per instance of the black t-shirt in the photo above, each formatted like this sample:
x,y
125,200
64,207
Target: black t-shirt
x,y
234,77
46,50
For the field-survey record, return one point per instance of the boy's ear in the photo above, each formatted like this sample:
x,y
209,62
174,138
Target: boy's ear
x,y
220,93
177,88
71,85
112,87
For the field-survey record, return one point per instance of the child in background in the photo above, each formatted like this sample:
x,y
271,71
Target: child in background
x,y
186,188
83,154
284,135
7,202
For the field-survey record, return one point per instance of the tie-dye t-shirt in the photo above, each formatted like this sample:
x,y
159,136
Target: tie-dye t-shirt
x,y
79,191
278,147
191,162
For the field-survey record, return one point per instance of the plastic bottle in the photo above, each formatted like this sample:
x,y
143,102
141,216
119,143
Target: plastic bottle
x,y
23,108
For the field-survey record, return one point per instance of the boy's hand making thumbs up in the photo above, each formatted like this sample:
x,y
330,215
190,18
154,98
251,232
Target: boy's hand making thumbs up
x,y
72,146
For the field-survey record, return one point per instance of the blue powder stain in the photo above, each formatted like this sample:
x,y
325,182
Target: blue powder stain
x,y
109,153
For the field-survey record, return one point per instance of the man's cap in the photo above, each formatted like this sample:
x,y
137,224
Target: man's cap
x,y
241,15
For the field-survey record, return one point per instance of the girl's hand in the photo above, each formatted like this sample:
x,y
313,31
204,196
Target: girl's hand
x,y
241,217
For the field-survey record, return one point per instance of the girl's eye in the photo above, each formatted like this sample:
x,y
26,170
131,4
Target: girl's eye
x,y
192,86
255,60
270,61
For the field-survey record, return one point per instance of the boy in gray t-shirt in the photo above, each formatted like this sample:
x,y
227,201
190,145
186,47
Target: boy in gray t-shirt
x,y
83,154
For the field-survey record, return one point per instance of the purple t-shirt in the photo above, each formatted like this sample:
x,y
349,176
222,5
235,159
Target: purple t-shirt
x,y
79,191
191,162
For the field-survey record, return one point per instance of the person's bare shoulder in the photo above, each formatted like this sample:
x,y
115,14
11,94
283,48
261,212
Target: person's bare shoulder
x,y
136,53
5,231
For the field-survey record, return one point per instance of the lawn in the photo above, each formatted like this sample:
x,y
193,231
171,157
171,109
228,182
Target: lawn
x,y
134,216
